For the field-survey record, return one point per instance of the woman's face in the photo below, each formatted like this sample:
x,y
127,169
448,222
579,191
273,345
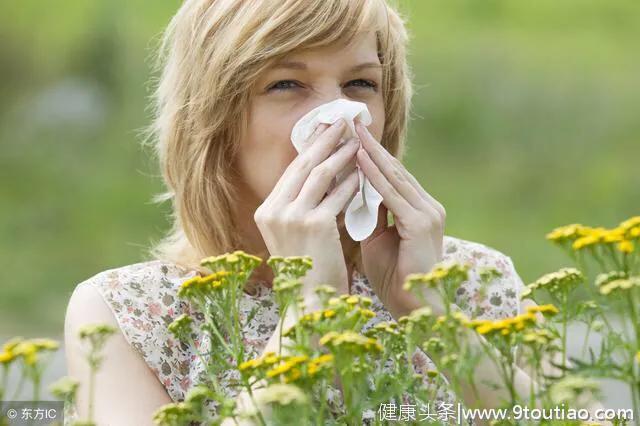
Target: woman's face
x,y
286,92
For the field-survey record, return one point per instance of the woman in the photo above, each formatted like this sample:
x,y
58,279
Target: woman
x,y
236,76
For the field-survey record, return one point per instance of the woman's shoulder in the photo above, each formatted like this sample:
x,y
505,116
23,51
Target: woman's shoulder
x,y
475,254
142,295
143,300
142,277
494,286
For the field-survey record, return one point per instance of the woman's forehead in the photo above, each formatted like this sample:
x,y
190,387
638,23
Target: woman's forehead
x,y
360,50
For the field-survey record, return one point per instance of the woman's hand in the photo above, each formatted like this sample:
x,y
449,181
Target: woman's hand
x,y
414,243
297,219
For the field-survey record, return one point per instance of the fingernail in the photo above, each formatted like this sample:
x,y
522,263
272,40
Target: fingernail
x,y
339,124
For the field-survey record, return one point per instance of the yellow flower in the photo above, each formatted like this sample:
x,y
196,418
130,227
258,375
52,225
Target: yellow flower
x,y
250,364
613,235
64,387
352,300
562,279
268,358
620,284
288,365
630,223
548,309
329,313
421,314
181,326
586,241
384,327
441,271
432,374
504,326
367,313
11,343
280,369
6,357
317,364
46,344
291,266
461,318
214,280
485,327
625,246
282,394
607,277
99,330
293,375
540,337
566,232
271,358
28,351
351,340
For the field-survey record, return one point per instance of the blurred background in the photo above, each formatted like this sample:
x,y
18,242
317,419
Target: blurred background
x,y
526,117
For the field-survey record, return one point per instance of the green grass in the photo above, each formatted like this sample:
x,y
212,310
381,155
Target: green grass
x,y
525,118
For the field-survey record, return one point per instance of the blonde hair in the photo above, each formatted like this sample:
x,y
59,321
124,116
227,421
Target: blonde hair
x,y
209,57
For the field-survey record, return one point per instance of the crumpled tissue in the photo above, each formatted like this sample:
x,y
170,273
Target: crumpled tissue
x,y
361,213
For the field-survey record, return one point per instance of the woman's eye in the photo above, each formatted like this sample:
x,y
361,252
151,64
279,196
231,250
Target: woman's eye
x,y
367,83
282,85
292,84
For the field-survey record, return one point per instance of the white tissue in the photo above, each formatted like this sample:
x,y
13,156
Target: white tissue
x,y
361,214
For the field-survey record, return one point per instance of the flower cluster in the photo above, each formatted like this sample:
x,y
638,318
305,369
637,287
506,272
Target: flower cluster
x,y
297,382
26,349
237,262
562,281
447,270
505,326
620,284
579,237
202,286
351,342
291,266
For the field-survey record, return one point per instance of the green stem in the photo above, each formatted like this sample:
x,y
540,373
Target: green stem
x,y
19,388
635,397
92,374
262,420
586,339
564,331
5,380
614,256
594,252
214,328
634,316
36,387
285,306
323,398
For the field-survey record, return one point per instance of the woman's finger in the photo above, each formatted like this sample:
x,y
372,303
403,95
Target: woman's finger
x,y
335,201
396,173
392,198
320,178
288,186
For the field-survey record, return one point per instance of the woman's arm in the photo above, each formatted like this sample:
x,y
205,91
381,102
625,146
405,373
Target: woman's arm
x,y
126,391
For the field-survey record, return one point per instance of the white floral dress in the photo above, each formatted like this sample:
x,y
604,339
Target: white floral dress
x,y
143,299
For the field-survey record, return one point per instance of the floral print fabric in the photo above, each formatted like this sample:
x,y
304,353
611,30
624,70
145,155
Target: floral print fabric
x,y
143,299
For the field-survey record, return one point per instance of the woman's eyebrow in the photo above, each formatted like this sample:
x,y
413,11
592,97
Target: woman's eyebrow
x,y
302,66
